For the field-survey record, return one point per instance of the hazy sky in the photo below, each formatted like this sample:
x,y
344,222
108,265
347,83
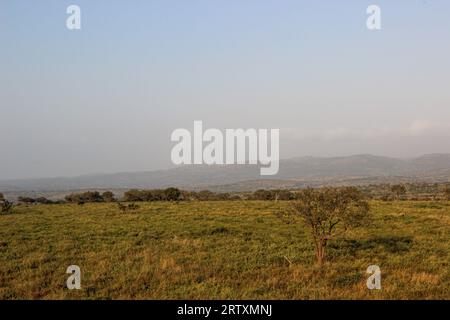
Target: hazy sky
x,y
107,97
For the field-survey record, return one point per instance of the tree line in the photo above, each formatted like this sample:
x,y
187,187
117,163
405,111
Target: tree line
x,y
378,192
168,194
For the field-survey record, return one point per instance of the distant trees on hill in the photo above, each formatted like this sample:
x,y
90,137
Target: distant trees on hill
x,y
174,194
41,200
79,198
273,195
26,200
169,194
385,192
89,196
206,195
108,196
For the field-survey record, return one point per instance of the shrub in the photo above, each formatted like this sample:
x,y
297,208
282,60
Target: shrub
x,y
26,200
172,194
124,208
323,210
398,190
108,196
5,206
81,198
43,200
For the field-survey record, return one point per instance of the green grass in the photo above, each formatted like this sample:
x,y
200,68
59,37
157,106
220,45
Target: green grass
x,y
219,250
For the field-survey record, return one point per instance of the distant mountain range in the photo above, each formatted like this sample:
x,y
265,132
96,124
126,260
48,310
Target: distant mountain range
x,y
293,173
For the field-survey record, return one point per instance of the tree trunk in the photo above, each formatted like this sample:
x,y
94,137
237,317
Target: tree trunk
x,y
320,251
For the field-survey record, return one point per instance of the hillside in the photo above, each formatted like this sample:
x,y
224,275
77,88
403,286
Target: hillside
x,y
296,172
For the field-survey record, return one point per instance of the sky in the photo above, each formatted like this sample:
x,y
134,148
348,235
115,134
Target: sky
x,y
106,98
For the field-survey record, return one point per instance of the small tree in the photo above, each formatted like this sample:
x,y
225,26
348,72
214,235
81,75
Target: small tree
x,y
323,210
5,206
2,197
172,194
108,196
398,190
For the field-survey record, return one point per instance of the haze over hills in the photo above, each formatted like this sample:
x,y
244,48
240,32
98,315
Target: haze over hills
x,y
293,173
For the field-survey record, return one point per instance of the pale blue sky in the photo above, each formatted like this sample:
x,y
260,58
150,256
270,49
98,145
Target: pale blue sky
x,y
106,98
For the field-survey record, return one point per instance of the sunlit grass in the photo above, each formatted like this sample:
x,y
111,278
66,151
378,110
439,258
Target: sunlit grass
x,y
219,250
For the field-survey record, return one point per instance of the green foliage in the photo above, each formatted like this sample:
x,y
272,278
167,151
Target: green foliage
x,y
172,194
26,200
5,206
169,194
145,195
323,210
108,196
43,200
38,200
85,197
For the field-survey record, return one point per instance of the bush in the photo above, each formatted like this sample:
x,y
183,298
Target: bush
x,y
124,208
26,200
108,196
43,200
398,190
172,194
169,194
325,209
81,198
5,206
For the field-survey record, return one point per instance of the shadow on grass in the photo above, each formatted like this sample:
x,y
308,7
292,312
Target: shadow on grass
x,y
391,244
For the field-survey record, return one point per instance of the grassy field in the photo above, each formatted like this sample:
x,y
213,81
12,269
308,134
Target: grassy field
x,y
219,250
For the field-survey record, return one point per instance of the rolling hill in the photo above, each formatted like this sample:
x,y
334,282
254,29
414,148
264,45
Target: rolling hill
x,y
293,173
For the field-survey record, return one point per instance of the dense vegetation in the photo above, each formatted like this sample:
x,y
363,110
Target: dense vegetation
x,y
384,192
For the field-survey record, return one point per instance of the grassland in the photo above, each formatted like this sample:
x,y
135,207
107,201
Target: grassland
x,y
219,250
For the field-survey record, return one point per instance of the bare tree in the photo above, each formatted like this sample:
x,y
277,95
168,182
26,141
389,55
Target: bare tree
x,y
398,190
